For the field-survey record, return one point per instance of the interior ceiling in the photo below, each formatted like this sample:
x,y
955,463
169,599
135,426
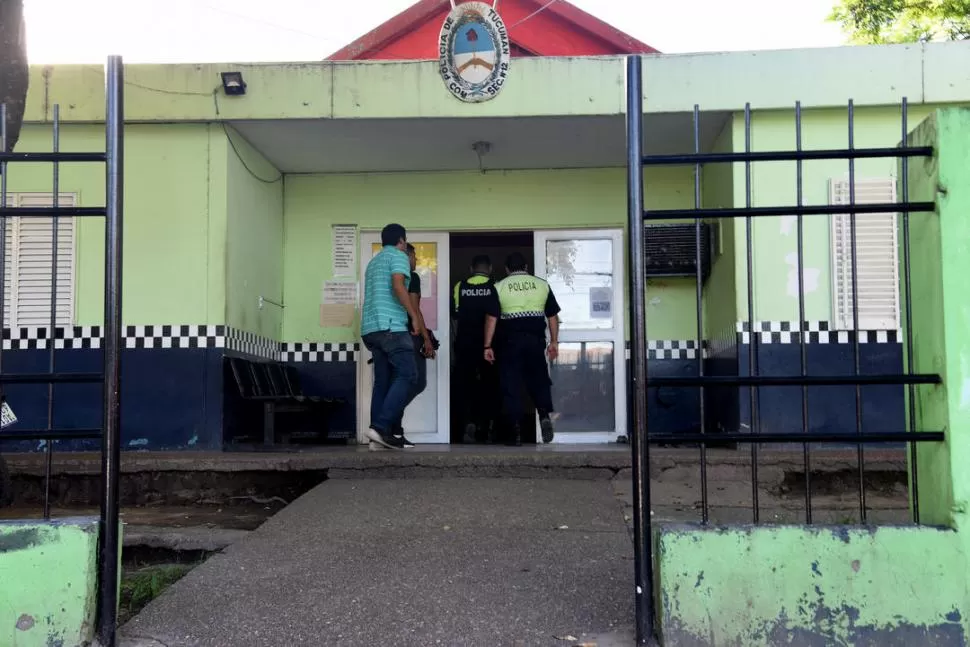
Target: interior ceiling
x,y
388,145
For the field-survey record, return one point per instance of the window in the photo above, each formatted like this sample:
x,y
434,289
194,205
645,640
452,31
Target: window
x,y
876,257
28,264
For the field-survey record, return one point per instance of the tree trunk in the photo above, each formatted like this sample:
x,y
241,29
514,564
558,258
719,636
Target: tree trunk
x,y
13,67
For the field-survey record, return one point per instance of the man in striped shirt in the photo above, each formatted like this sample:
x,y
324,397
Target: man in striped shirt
x,y
385,313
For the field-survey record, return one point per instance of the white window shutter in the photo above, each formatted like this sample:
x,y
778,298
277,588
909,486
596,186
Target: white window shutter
x,y
28,274
876,257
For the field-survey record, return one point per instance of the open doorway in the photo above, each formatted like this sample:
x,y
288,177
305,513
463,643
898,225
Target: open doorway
x,y
497,245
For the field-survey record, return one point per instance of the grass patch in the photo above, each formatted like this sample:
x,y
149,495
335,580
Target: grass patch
x,y
140,587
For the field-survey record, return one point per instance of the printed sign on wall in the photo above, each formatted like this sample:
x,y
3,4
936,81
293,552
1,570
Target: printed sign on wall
x,y
344,251
474,52
600,303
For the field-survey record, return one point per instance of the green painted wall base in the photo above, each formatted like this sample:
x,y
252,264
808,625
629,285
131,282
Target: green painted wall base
x,y
48,575
805,586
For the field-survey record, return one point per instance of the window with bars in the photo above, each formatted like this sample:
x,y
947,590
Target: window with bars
x,y
877,257
28,264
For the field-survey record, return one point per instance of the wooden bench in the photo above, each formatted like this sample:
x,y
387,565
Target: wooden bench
x,y
278,389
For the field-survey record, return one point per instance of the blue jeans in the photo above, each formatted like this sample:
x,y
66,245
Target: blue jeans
x,y
395,375
420,383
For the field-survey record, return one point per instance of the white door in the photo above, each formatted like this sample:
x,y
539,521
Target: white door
x,y
584,268
427,418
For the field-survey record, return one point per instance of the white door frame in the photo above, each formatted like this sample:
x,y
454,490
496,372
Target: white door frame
x,y
616,335
441,365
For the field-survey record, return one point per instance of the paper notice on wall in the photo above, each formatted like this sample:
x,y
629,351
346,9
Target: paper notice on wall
x,y
337,316
600,303
338,304
339,293
344,251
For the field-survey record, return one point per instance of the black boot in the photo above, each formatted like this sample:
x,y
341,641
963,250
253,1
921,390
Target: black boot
x,y
514,439
545,424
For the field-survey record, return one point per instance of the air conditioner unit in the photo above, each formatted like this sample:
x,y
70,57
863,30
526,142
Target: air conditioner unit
x,y
671,250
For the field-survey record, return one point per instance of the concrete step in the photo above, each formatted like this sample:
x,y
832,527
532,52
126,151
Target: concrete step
x,y
220,478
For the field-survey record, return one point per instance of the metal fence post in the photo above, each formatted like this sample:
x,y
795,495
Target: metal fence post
x,y
640,446
111,446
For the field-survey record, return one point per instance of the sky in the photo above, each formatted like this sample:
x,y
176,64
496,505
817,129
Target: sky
x,y
202,31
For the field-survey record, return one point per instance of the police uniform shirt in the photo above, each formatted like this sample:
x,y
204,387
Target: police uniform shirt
x,y
414,287
470,303
522,303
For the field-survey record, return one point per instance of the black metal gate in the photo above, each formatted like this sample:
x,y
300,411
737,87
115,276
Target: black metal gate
x,y
110,375
641,438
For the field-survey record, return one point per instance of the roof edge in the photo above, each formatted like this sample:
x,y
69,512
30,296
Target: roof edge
x,y
387,31
424,9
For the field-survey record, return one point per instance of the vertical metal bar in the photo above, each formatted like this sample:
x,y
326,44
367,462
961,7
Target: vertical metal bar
x,y
753,336
802,324
111,444
51,336
908,291
642,540
3,231
699,311
853,255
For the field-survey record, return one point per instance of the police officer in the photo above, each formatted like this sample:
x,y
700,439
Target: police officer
x,y
524,303
477,381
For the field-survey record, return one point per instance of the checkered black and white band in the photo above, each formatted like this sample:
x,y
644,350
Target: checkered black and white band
x,y
38,338
167,336
320,351
671,349
816,332
523,315
175,336
252,344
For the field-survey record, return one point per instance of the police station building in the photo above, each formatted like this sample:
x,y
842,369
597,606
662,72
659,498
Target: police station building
x,y
252,209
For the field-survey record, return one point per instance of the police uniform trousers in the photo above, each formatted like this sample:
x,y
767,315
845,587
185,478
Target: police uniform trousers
x,y
477,383
521,360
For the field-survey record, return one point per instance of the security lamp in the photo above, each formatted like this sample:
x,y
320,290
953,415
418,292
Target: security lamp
x,y
233,84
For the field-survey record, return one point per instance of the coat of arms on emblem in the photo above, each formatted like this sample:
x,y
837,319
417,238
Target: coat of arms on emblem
x,y
474,52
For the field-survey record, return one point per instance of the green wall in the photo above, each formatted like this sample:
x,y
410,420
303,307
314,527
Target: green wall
x,y
49,575
798,585
717,191
773,184
804,586
463,201
174,219
941,319
254,255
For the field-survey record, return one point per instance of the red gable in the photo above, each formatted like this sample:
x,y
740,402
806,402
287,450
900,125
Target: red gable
x,y
536,28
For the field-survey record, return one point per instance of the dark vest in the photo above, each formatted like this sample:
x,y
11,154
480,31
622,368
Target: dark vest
x,y
471,299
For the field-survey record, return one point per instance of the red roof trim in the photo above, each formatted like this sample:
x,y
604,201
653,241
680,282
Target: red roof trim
x,y
389,31
421,11
622,41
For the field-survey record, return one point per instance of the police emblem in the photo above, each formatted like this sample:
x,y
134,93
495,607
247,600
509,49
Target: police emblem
x,y
474,52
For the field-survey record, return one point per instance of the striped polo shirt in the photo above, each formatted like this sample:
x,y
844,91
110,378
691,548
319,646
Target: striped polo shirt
x,y
382,311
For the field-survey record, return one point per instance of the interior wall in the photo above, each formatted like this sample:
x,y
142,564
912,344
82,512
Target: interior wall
x,y
254,245
465,201
717,192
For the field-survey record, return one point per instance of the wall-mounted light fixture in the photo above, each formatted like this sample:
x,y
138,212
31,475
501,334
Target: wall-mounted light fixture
x,y
233,84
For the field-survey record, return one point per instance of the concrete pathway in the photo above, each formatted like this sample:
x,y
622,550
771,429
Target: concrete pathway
x,y
452,562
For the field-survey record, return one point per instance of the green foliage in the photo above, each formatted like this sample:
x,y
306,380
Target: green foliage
x,y
143,586
868,22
